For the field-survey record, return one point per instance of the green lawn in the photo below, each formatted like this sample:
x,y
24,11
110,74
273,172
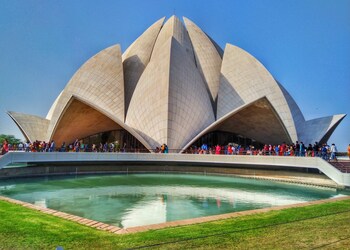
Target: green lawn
x,y
325,226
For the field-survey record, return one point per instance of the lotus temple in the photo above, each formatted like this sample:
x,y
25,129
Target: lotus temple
x,y
175,85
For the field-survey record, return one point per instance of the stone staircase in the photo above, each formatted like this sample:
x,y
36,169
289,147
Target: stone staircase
x,y
343,166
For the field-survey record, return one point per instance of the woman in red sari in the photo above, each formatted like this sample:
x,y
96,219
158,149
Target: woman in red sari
x,y
217,149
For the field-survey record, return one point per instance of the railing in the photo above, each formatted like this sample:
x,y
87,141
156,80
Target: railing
x,y
190,151
226,160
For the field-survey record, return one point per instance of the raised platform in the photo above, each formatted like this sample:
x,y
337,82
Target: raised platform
x,y
68,163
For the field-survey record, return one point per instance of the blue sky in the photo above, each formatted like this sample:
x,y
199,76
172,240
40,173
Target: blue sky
x,y
305,44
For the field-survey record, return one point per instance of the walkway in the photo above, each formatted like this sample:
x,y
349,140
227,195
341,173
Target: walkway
x,y
342,179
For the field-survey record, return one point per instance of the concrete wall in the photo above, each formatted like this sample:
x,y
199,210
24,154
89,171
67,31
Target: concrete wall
x,y
238,161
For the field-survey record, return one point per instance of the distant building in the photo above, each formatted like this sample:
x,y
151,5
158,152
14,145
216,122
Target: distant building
x,y
174,85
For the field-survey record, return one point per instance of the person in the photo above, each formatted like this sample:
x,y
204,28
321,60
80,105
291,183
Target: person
x,y
265,149
105,147
277,150
297,148
283,148
316,149
116,146
63,147
324,152
27,146
52,146
229,149
217,149
76,145
349,151
20,146
270,149
333,152
204,148
309,150
5,147
302,149
111,147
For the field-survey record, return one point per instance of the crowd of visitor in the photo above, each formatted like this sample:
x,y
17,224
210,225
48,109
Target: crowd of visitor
x,y
76,146
296,149
324,151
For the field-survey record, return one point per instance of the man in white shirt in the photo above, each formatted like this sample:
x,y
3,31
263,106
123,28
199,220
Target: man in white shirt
x,y
333,152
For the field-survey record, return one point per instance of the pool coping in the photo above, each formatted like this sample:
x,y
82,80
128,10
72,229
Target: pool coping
x,y
117,230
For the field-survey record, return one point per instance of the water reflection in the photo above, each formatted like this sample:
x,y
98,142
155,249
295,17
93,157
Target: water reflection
x,y
146,211
41,203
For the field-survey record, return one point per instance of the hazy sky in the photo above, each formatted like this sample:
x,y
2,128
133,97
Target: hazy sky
x,y
305,44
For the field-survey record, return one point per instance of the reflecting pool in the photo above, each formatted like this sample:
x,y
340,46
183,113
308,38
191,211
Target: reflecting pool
x,y
143,199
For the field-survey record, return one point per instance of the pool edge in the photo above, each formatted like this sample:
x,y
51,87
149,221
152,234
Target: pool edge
x,y
117,230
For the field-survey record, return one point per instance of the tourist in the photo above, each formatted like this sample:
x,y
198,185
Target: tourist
x,y
217,149
63,147
349,151
283,149
277,150
20,146
291,150
76,145
105,147
111,147
225,149
248,151
316,149
309,150
333,152
233,150
324,152
270,149
229,149
52,146
265,149
302,149
27,146
204,148
116,146
5,147
297,148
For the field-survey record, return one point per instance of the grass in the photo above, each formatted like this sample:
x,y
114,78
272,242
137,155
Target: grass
x,y
325,226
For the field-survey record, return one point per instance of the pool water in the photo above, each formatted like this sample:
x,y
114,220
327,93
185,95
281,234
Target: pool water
x,y
143,199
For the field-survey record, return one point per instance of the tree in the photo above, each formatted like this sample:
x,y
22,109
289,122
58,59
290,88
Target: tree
x,y
10,138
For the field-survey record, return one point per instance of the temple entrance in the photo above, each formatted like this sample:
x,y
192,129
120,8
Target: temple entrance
x,y
123,141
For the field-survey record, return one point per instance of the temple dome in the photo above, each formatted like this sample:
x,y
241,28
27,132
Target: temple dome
x,y
173,85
